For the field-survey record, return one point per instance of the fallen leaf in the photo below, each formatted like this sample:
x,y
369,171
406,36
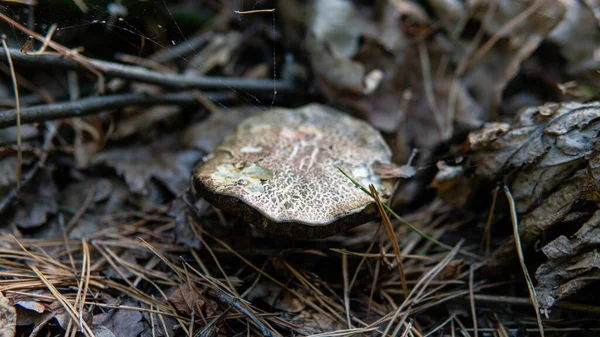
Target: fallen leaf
x,y
8,318
121,322
139,164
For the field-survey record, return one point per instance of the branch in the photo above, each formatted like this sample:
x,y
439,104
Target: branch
x,y
140,74
96,104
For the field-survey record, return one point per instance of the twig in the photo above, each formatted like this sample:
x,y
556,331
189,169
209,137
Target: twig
x,y
472,300
136,73
487,238
13,75
346,291
92,105
530,287
225,298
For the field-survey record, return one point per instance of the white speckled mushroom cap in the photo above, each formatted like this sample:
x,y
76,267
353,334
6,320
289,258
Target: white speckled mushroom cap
x,y
282,165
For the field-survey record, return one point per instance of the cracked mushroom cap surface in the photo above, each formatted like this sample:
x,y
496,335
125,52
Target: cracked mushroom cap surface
x,y
279,172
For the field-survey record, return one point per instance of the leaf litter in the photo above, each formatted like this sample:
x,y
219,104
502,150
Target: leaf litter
x,y
101,238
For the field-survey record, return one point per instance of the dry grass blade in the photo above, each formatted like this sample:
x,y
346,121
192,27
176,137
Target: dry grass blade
x,y
416,293
487,239
528,281
346,292
87,331
13,76
404,222
343,333
392,237
472,300
74,55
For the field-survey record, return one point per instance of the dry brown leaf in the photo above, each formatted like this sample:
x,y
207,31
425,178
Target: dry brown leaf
x,y
120,322
188,301
8,318
559,278
162,161
546,145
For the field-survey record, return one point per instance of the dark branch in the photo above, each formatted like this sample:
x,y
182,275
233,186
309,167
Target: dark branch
x,y
140,74
91,105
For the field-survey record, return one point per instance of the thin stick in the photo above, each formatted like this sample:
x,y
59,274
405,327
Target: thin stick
x,y
97,104
406,223
18,111
255,11
530,287
472,300
487,239
140,74
373,286
346,292
392,237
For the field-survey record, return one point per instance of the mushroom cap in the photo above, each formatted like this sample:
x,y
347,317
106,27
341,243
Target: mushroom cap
x,y
279,171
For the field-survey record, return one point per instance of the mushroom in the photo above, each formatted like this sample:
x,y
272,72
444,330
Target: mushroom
x,y
279,172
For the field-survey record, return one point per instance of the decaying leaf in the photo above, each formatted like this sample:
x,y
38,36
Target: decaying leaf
x,y
549,158
139,164
39,204
188,301
8,318
121,322
546,145
572,263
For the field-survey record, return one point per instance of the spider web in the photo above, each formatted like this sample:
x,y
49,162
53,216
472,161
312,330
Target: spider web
x,y
140,28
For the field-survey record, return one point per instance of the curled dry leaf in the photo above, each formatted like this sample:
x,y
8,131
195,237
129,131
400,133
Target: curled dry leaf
x,y
549,158
545,146
573,261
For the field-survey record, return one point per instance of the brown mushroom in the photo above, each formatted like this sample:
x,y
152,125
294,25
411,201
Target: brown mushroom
x,y
279,171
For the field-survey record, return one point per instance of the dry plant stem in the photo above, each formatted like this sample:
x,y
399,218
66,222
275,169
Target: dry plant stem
x,y
392,237
87,331
472,300
97,104
373,286
404,222
18,111
416,292
73,54
443,324
363,259
530,286
346,292
302,298
527,301
487,239
219,294
140,74
223,297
